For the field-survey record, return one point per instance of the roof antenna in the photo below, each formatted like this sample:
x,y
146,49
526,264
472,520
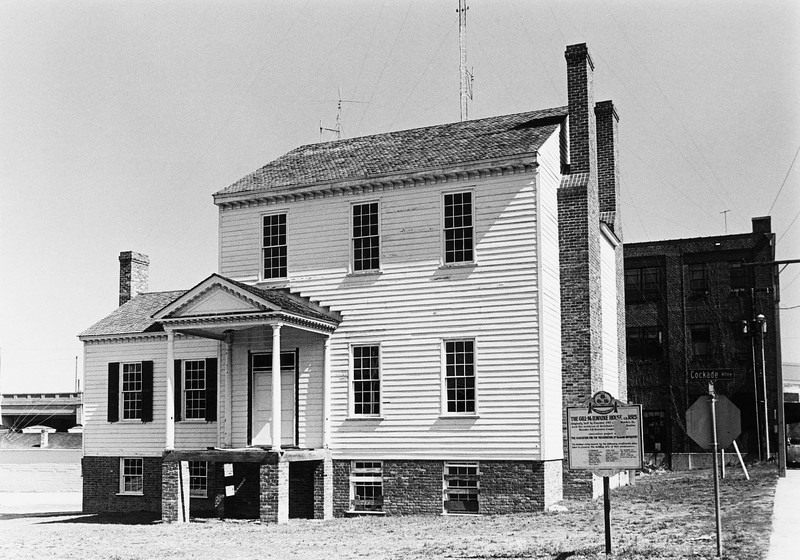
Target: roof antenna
x,y
725,214
337,128
466,75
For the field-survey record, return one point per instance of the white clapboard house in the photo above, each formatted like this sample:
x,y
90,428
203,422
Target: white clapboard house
x,y
384,334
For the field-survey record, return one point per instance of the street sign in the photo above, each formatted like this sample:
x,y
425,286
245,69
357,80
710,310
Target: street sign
x,y
711,374
699,425
605,436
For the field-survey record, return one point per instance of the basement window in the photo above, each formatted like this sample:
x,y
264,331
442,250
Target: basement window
x,y
198,479
366,486
131,479
461,487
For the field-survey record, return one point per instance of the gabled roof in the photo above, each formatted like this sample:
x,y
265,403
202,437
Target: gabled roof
x,y
144,312
418,149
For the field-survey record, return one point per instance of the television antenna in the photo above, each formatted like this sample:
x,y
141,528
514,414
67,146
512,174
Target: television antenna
x,y
337,128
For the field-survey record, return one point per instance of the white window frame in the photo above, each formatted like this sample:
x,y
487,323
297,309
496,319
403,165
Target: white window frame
x,y
185,390
369,472
444,397
353,239
261,269
122,410
124,477
198,492
446,489
351,381
443,236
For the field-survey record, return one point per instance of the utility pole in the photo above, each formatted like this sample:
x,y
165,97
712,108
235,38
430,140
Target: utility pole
x,y
466,75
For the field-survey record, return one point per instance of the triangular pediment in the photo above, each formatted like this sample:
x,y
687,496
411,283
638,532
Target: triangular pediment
x,y
213,297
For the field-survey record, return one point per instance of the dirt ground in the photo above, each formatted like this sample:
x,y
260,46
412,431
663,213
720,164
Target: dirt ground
x,y
667,515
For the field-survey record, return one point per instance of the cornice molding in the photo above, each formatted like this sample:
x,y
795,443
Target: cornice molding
x,y
525,163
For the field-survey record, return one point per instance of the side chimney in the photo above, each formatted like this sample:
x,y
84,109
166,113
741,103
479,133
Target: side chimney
x,y
580,96
762,224
133,275
607,122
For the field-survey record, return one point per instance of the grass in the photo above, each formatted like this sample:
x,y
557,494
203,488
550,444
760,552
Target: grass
x,y
668,515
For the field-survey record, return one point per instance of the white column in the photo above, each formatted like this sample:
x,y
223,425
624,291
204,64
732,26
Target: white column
x,y
170,415
276,387
228,384
326,392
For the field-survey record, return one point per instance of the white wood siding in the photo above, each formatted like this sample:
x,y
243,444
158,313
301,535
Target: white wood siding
x,y
409,308
133,437
552,409
608,289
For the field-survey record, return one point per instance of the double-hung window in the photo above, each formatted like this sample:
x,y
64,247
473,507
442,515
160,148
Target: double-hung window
x,y
131,476
643,284
740,276
366,237
701,343
366,380
130,391
459,376
461,487
198,479
458,234
366,486
273,247
698,279
196,389
644,343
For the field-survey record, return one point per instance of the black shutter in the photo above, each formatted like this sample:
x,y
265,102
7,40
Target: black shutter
x,y
113,391
147,391
211,389
178,395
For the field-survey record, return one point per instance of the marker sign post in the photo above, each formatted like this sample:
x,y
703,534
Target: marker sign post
x,y
605,437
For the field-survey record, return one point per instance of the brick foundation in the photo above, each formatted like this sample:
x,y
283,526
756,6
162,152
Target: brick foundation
x,y
101,487
416,487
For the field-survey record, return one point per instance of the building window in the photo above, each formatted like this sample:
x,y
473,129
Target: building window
x,y
460,376
461,487
198,479
131,476
274,246
739,276
698,279
644,343
655,431
643,284
701,342
194,389
366,237
132,391
366,486
366,380
458,228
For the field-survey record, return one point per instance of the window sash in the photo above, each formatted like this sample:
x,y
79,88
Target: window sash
x,y
698,280
366,380
274,248
643,283
460,376
461,488
366,236
132,476
458,230
131,383
194,389
198,479
366,486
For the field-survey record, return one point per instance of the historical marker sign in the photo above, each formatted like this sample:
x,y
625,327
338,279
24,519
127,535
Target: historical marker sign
x,y
605,436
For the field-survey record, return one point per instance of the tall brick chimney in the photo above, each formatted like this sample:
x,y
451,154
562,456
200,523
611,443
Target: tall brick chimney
x,y
580,255
133,275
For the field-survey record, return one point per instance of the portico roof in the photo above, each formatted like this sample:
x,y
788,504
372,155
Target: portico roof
x,y
213,306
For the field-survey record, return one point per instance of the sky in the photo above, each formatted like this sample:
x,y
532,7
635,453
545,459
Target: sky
x,y
120,120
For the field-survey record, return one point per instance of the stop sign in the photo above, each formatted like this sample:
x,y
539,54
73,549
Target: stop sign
x,y
698,422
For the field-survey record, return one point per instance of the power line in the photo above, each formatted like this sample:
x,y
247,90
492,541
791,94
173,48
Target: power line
x,y
788,171
789,226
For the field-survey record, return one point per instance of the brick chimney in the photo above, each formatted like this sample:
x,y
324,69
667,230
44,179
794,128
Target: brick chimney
x,y
762,224
580,256
133,275
607,122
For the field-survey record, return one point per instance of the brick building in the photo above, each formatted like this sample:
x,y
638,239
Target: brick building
x,y
693,304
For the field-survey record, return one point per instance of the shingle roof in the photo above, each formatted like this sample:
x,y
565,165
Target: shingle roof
x,y
404,151
135,316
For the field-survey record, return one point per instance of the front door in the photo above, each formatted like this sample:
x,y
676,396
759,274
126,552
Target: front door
x,y
261,402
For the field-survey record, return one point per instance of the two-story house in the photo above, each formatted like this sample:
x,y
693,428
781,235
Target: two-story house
x,y
395,326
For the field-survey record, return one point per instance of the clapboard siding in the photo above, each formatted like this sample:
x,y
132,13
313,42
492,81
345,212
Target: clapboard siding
x,y
608,288
133,437
552,410
410,307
